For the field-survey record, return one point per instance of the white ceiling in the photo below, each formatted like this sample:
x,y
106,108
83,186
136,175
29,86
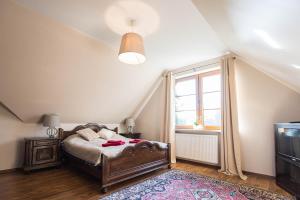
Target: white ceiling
x,y
265,33
175,32
48,66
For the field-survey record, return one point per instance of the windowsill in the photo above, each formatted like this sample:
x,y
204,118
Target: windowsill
x,y
197,131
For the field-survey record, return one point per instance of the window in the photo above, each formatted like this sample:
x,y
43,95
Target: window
x,y
198,101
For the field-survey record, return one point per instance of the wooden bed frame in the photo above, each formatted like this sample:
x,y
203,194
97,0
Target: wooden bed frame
x,y
133,161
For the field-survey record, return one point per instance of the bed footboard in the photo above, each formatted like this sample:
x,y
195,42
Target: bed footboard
x,y
133,161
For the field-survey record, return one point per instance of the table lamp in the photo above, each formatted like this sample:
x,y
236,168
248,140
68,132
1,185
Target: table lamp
x,y
130,124
51,121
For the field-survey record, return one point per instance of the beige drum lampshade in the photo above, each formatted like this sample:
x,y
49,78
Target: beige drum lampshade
x,y
132,49
130,122
51,120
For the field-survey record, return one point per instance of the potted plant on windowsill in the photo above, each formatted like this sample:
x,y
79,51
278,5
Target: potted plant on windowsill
x,y
197,126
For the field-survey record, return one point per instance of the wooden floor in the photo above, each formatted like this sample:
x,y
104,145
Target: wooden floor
x,y
68,184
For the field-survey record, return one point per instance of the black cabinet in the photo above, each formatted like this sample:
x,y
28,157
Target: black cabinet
x,y
287,141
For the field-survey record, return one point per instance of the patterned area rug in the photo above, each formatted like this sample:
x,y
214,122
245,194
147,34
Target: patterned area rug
x,y
176,184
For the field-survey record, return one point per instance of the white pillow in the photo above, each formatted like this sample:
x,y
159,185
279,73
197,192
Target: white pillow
x,y
88,134
106,134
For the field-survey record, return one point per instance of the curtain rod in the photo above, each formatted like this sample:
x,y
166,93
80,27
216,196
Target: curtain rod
x,y
194,68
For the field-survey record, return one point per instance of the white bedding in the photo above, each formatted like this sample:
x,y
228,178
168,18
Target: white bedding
x,y
91,151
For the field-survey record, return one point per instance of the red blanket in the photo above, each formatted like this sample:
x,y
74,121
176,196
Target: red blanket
x,y
135,141
108,144
114,141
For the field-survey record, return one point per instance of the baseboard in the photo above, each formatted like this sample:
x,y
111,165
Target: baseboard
x,y
6,171
258,174
198,163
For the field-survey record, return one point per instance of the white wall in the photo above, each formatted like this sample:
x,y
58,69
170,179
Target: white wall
x,y
12,139
12,136
150,120
262,101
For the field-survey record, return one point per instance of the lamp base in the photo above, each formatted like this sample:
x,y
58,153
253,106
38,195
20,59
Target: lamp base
x,y
130,129
51,132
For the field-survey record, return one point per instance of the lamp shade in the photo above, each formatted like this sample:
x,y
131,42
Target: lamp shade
x,y
132,49
51,120
130,122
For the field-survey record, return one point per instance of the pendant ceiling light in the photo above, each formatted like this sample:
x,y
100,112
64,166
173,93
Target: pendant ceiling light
x,y
132,49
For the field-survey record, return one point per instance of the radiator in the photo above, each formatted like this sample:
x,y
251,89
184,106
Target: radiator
x,y
198,147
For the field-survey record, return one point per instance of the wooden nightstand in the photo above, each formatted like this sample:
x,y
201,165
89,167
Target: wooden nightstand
x,y
41,152
131,135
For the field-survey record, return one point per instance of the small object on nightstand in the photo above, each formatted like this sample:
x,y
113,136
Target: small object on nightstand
x,y
130,124
131,135
41,152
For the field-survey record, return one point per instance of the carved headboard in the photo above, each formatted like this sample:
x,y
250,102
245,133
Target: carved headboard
x,y
95,127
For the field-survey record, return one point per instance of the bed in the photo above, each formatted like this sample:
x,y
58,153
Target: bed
x,y
112,167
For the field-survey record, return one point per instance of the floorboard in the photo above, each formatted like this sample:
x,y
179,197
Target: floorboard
x,y
66,183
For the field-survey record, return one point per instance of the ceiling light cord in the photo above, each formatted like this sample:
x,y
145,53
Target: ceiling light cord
x,y
132,23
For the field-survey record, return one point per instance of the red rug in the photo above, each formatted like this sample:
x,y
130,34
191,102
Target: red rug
x,y
177,184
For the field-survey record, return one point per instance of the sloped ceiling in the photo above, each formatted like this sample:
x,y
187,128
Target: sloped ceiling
x,y
60,56
265,33
175,32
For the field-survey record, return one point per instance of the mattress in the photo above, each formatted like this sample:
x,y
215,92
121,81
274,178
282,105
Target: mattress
x,y
90,151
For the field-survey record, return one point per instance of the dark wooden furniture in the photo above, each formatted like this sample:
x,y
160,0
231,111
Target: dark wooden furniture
x,y
41,152
287,151
133,161
132,135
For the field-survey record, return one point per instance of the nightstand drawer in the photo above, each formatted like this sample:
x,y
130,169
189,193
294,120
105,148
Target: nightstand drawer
x,y
44,154
44,142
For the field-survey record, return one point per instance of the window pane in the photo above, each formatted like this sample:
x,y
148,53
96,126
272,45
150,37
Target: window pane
x,y
185,117
212,117
212,100
186,103
212,83
185,87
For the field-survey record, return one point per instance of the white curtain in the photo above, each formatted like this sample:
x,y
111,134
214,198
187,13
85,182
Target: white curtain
x,y
230,141
168,130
